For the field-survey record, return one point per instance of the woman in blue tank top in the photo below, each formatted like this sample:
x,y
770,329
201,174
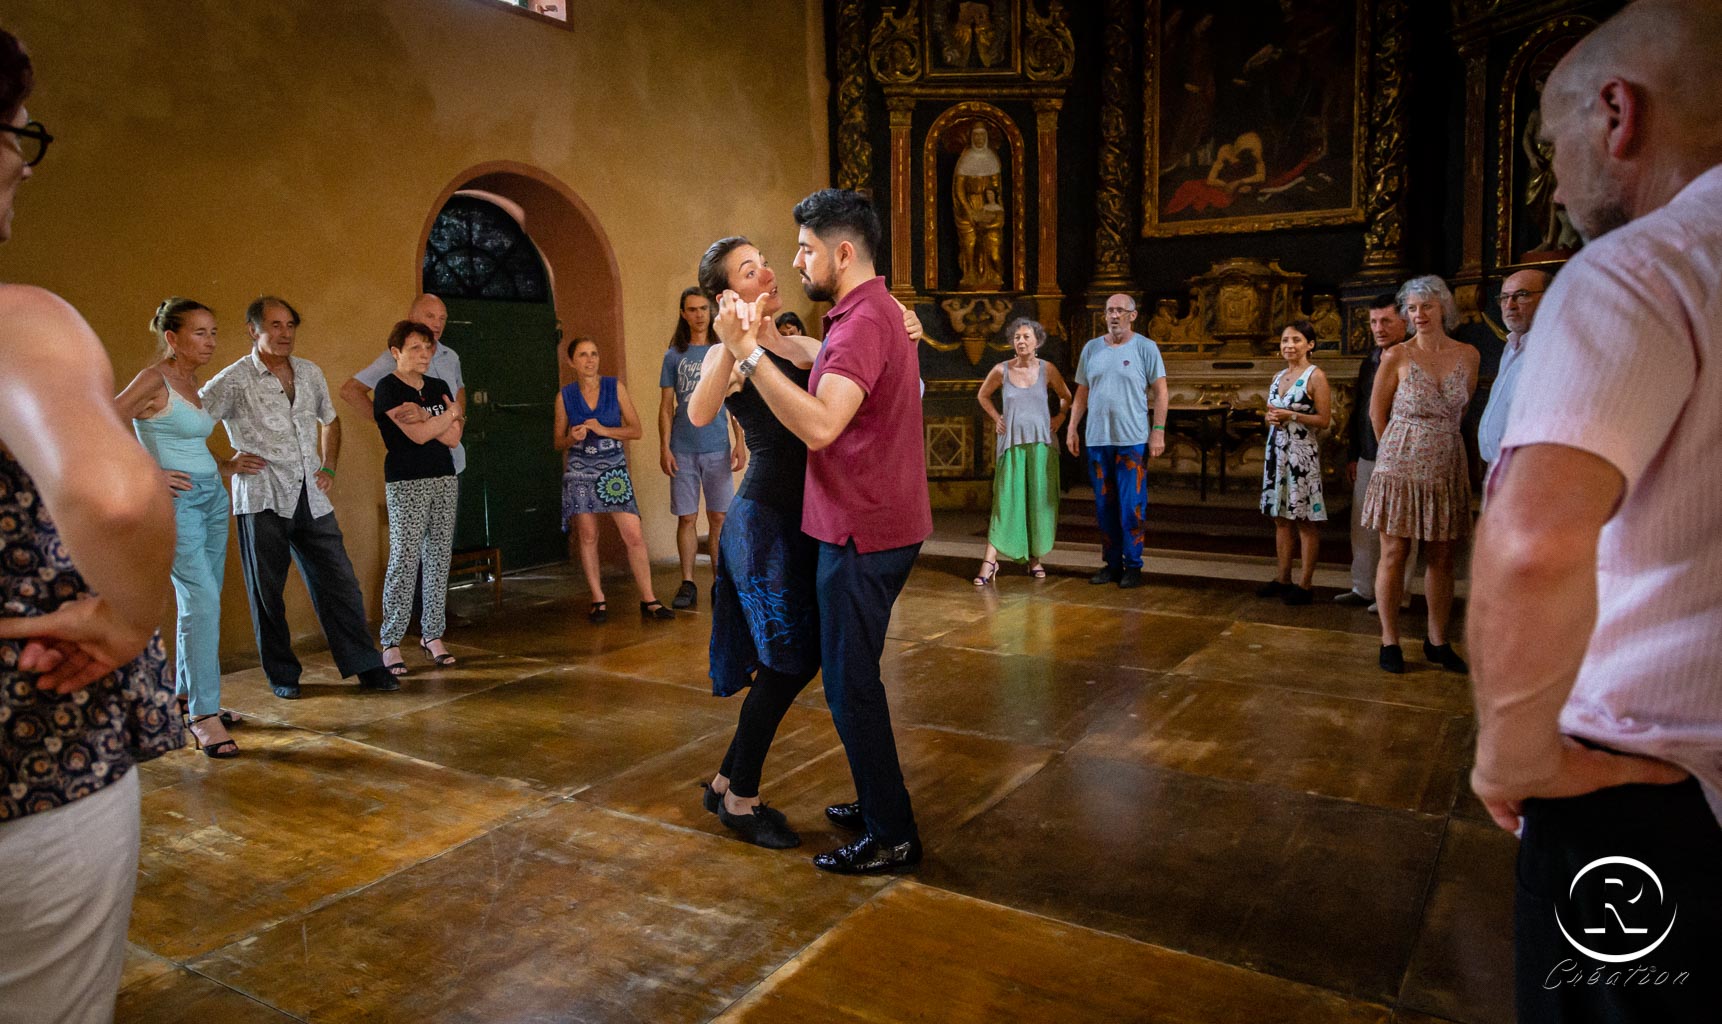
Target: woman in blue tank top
x,y
162,404
593,417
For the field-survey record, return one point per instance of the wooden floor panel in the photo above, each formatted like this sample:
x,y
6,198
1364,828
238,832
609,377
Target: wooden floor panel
x,y
1173,804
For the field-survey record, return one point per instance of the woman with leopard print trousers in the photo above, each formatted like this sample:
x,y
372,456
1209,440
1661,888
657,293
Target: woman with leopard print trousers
x,y
421,425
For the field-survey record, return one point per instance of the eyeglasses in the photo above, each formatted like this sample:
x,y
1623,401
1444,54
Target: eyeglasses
x,y
33,141
1116,309
1520,296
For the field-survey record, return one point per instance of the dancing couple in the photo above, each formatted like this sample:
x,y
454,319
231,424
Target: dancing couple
x,y
826,525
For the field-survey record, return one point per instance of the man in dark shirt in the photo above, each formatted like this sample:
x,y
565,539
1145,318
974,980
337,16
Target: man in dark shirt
x,y
1387,327
866,501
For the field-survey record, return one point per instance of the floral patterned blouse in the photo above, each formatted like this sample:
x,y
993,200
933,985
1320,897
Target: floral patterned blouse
x,y
57,748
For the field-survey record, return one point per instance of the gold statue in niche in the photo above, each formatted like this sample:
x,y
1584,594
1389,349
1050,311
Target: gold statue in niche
x,y
977,206
1558,235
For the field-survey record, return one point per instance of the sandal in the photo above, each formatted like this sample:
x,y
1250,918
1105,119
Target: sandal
x,y
1037,570
220,749
600,612
228,715
986,577
655,610
398,667
444,659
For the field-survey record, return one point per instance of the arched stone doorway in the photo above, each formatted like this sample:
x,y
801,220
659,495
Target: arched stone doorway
x,y
506,494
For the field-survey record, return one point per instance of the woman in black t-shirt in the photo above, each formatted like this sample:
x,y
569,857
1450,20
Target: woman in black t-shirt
x,y
421,425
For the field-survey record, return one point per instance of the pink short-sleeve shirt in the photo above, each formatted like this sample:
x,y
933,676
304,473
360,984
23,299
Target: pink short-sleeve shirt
x,y
1624,361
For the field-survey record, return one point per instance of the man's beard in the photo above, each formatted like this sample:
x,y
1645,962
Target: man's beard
x,y
1600,220
819,291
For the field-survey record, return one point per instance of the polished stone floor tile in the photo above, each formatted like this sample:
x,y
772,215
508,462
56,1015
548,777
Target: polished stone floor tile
x,y
563,729
1018,697
997,964
1386,755
1106,636
951,777
578,914
290,824
1303,887
1462,966
1323,661
180,996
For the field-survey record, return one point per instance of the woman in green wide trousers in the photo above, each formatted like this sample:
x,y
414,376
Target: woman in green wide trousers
x,y
1025,480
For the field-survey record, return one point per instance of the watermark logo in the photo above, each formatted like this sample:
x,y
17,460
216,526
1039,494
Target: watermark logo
x,y
1616,910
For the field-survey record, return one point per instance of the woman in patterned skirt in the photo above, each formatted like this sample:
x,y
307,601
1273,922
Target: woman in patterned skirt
x,y
593,418
1025,478
86,542
1421,489
421,426
1299,405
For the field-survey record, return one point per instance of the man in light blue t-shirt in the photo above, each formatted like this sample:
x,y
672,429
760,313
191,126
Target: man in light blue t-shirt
x,y
1113,378
700,461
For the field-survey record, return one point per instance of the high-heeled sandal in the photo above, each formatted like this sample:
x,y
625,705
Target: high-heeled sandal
x,y
229,716
986,577
656,611
1037,570
220,749
443,660
599,613
396,668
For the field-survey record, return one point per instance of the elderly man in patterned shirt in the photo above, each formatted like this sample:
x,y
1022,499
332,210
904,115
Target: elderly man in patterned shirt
x,y
281,421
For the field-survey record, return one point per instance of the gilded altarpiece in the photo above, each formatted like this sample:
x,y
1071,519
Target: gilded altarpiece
x,y
973,93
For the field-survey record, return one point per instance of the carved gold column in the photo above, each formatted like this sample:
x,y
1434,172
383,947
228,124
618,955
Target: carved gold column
x,y
855,152
1468,282
1112,220
1384,206
1046,155
902,110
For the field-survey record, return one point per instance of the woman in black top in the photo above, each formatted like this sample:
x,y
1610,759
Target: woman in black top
x,y
420,425
765,625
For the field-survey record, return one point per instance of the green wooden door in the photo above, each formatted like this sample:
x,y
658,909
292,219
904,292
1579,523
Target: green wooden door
x,y
511,492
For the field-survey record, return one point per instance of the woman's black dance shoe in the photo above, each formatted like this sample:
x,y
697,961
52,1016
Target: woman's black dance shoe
x,y
766,827
1444,655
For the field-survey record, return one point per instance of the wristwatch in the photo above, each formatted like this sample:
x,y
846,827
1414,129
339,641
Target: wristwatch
x,y
746,366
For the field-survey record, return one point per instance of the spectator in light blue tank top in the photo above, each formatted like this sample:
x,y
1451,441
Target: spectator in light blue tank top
x,y
1114,377
162,403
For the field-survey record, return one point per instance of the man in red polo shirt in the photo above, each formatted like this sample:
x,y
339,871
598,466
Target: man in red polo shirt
x,y
866,501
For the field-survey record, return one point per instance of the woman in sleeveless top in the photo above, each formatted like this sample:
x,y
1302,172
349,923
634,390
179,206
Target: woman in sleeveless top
x,y
1025,477
162,403
86,538
1421,488
1299,405
593,417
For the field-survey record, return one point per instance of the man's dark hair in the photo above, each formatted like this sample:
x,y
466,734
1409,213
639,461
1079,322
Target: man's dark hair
x,y
837,213
684,335
1384,300
17,75
259,307
404,329
789,317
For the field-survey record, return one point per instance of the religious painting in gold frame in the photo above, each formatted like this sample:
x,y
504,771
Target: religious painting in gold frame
x,y
1253,115
1531,230
972,39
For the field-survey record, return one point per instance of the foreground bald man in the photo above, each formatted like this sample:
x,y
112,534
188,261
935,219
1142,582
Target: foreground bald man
x,y
1596,618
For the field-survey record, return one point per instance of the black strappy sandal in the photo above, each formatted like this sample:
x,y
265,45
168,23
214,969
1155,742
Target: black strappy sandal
x,y
396,668
655,611
443,660
600,612
986,578
220,749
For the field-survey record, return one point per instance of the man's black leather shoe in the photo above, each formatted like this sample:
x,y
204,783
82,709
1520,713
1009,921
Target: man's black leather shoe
x,y
1130,579
868,856
286,691
379,679
847,816
1107,574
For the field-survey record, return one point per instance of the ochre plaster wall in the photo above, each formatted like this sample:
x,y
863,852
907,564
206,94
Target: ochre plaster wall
x,y
223,150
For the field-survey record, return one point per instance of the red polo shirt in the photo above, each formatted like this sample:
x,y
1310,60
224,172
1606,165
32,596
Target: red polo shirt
x,y
871,483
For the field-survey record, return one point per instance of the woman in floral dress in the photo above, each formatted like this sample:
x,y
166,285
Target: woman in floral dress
x,y
1300,404
593,418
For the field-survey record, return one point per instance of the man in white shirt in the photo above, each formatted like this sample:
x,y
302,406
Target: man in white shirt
x,y
281,421
1520,295
1596,598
